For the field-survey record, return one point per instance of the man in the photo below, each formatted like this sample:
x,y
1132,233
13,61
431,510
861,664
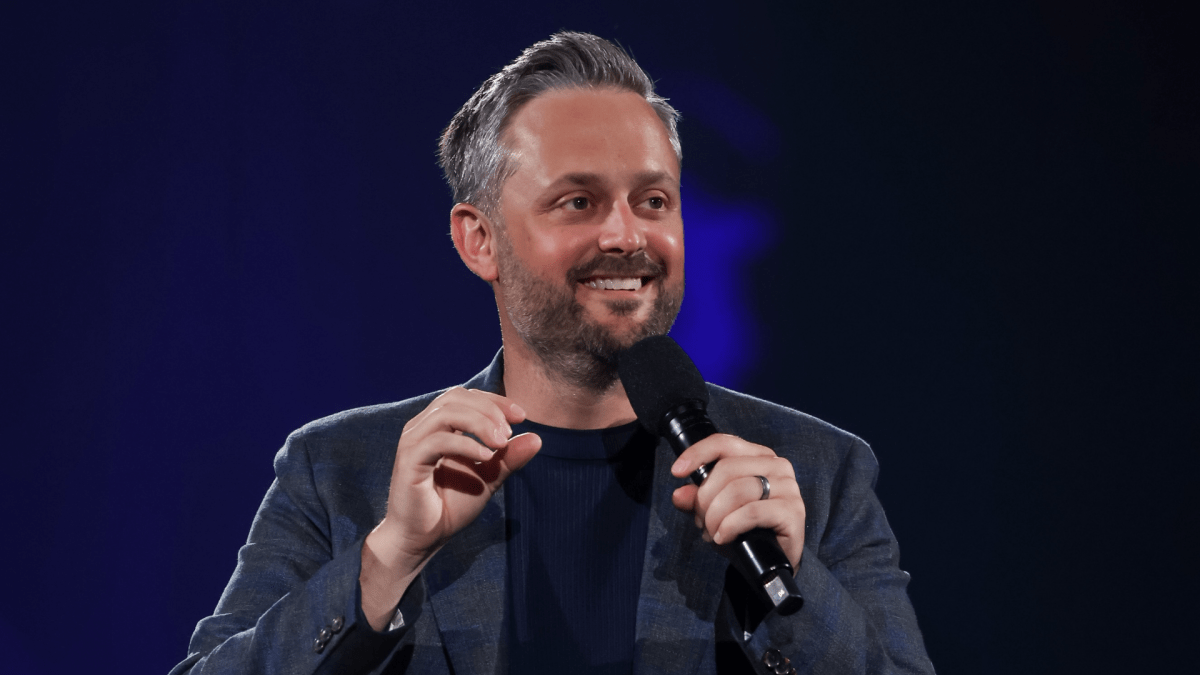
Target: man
x,y
524,522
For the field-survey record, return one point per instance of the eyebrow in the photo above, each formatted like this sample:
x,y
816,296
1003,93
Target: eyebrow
x,y
582,178
647,177
579,178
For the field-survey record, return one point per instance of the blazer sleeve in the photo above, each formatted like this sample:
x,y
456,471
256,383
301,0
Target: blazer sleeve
x,y
292,605
857,617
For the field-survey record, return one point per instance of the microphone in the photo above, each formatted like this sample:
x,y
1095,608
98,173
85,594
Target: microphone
x,y
670,399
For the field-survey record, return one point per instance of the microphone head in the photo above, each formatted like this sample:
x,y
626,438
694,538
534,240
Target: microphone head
x,y
658,376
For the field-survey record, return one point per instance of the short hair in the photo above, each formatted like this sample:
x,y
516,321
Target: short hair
x,y
471,154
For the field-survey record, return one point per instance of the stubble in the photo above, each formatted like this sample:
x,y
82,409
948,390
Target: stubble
x,y
573,349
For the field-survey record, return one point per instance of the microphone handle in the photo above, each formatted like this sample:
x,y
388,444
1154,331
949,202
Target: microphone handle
x,y
757,554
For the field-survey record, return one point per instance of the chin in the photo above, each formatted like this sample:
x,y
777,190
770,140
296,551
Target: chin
x,y
625,333
625,308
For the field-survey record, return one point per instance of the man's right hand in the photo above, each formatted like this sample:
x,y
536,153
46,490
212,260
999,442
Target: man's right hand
x,y
441,480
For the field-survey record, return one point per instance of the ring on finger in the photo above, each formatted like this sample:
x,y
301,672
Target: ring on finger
x,y
766,487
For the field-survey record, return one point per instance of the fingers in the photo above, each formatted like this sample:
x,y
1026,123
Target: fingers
x,y
495,407
733,484
786,520
713,448
684,499
450,459
470,476
512,412
519,451
735,479
501,464
724,517
469,424
729,502
736,460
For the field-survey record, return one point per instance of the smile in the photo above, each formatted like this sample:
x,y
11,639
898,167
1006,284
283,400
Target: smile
x,y
614,283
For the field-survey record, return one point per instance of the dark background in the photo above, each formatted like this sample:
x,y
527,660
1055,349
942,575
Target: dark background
x,y
965,232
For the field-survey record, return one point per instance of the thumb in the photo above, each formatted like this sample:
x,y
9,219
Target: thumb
x,y
518,452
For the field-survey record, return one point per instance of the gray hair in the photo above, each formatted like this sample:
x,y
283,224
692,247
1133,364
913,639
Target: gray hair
x,y
471,154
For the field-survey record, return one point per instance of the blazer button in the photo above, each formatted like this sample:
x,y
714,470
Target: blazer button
x,y
778,663
337,624
318,646
325,634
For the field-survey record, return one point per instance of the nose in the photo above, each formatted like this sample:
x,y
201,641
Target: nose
x,y
622,232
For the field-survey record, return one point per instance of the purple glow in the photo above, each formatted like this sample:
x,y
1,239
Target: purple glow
x,y
717,325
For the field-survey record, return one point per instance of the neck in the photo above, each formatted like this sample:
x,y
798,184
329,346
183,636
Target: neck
x,y
550,401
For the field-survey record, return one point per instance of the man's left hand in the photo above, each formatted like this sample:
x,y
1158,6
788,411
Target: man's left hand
x,y
729,502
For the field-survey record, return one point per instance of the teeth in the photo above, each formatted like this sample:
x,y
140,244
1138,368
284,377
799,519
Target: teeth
x,y
631,284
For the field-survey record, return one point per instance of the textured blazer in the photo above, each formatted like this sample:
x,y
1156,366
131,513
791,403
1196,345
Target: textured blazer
x,y
292,605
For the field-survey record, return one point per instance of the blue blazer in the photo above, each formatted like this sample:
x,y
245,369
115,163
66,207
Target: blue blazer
x,y
292,605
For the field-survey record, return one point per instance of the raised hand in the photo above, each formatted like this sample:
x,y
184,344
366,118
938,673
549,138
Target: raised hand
x,y
450,459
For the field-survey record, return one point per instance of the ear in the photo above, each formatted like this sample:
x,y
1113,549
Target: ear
x,y
474,238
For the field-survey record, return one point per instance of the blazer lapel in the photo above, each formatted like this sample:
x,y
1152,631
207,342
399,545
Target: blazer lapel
x,y
682,581
466,582
467,579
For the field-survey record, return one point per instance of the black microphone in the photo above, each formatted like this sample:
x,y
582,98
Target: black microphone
x,y
670,399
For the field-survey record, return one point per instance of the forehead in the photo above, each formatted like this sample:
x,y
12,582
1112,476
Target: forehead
x,y
573,130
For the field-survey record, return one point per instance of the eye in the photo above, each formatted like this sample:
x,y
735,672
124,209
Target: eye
x,y
656,203
577,204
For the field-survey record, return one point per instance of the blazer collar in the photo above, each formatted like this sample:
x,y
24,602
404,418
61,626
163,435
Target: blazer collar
x,y
682,580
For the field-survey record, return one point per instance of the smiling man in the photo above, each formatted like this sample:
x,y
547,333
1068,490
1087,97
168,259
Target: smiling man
x,y
524,522
585,249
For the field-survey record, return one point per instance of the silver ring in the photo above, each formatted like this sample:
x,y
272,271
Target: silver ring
x,y
766,487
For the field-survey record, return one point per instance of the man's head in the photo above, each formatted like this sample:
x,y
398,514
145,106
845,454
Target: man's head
x,y
472,153
580,233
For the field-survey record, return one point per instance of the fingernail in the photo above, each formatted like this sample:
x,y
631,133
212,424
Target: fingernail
x,y
680,466
717,538
499,435
517,410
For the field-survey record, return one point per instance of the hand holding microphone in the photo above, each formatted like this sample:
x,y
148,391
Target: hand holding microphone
x,y
744,495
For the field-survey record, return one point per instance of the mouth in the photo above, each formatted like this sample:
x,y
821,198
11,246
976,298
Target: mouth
x,y
626,276
616,283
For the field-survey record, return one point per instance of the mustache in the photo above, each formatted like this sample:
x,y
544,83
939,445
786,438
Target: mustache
x,y
637,265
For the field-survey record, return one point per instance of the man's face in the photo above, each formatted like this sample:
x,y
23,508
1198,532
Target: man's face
x,y
591,242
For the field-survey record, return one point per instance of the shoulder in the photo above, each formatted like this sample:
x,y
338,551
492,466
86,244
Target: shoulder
x,y
367,425
359,422
756,416
366,435
798,436
337,469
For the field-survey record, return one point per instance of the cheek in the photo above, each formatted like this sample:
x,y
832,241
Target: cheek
x,y
559,253
667,245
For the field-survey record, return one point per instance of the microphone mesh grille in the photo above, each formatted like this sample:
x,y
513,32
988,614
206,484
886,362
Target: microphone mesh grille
x,y
658,375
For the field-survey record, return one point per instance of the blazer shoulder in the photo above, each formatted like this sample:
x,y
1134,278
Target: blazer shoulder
x,y
337,469
369,430
789,432
364,427
356,420
744,410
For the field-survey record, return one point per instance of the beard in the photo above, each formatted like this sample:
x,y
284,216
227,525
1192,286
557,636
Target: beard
x,y
574,349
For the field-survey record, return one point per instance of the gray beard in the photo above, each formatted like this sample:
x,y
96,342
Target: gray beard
x,y
574,350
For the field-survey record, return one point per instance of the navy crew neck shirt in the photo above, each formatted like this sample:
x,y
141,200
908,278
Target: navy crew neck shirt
x,y
577,518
